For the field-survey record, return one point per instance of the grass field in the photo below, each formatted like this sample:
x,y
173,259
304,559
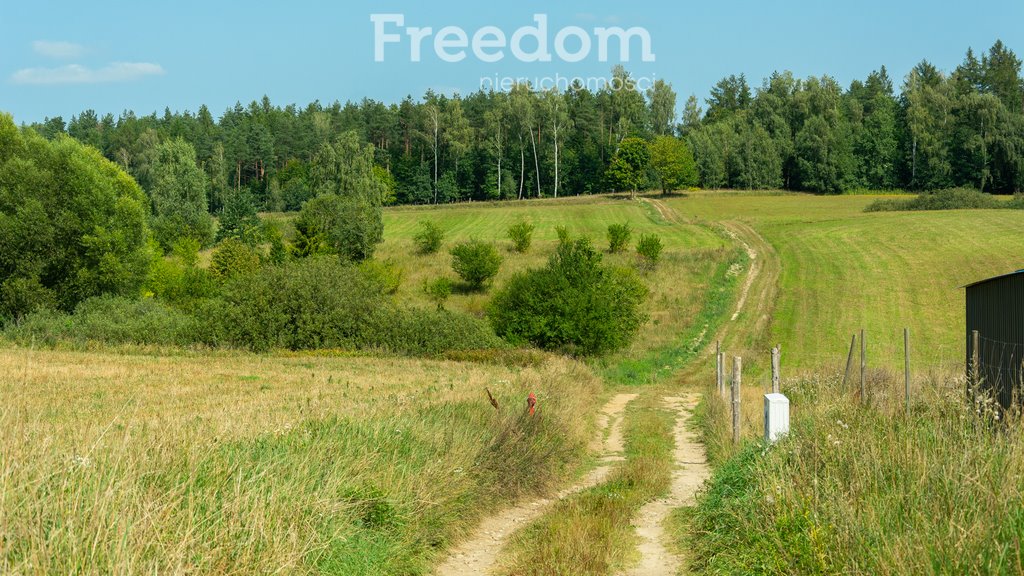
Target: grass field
x,y
691,251
237,463
217,462
843,270
861,487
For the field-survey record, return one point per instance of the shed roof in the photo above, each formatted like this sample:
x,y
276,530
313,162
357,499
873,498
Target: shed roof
x,y
993,278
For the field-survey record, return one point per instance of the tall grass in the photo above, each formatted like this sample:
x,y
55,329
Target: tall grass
x,y
230,464
866,488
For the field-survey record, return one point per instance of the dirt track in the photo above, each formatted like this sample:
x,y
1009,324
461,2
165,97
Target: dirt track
x,y
476,555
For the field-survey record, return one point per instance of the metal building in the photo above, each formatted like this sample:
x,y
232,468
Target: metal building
x,y
995,309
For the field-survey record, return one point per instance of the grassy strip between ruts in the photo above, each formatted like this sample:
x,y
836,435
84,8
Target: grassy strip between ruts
x,y
590,533
667,359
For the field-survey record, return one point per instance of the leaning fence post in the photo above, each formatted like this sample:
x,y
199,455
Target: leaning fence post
x,y
906,367
863,366
775,370
849,360
737,371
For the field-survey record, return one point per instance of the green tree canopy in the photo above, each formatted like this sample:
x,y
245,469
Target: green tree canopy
x,y
628,169
72,224
672,162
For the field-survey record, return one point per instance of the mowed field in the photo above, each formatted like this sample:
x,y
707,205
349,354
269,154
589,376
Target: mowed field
x,y
843,269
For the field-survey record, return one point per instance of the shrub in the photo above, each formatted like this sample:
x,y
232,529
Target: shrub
x,y
575,303
438,290
649,248
429,237
476,262
521,235
948,199
419,332
385,273
563,234
618,237
233,258
349,226
177,279
107,319
301,305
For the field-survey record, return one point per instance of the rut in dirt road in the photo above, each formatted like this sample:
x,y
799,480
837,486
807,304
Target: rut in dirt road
x,y
476,555
691,471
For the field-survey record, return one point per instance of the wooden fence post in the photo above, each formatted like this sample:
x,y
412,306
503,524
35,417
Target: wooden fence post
x,y
863,366
719,371
776,352
849,360
975,359
737,376
906,367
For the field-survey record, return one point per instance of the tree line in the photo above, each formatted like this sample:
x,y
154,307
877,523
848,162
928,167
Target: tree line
x,y
963,128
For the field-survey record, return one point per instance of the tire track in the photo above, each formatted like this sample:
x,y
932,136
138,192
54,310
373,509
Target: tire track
x,y
476,555
691,472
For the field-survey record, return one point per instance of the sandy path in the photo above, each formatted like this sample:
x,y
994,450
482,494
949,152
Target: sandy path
x,y
691,471
476,555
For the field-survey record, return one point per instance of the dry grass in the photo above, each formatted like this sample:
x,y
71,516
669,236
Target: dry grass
x,y
237,463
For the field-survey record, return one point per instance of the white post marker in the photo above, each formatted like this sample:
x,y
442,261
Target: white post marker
x,y
776,416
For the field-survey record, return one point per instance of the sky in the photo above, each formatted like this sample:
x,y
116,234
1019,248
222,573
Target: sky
x,y
59,58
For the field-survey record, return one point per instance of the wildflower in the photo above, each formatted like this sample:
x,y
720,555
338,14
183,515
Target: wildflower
x,y
80,461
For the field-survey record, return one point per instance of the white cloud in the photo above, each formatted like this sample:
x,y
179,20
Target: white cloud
x,y
78,74
58,50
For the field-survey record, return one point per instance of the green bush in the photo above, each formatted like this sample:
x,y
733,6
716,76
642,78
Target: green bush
x,y
349,226
177,278
239,219
385,273
476,262
429,237
649,248
563,234
420,332
948,199
521,235
438,290
575,303
618,237
109,320
233,258
302,305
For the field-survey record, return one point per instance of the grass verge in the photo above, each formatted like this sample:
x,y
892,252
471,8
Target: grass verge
x,y
869,489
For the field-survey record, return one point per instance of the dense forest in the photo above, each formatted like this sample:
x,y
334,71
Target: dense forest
x,y
964,128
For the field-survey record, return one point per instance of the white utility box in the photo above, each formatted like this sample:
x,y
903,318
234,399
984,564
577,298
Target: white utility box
x,y
776,416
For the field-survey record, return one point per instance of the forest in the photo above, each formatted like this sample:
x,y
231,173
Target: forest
x,y
939,130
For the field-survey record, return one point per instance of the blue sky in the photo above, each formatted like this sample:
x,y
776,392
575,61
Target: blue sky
x,y
58,58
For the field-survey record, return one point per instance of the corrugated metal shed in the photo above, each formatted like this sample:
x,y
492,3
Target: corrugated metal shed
x,y
995,308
